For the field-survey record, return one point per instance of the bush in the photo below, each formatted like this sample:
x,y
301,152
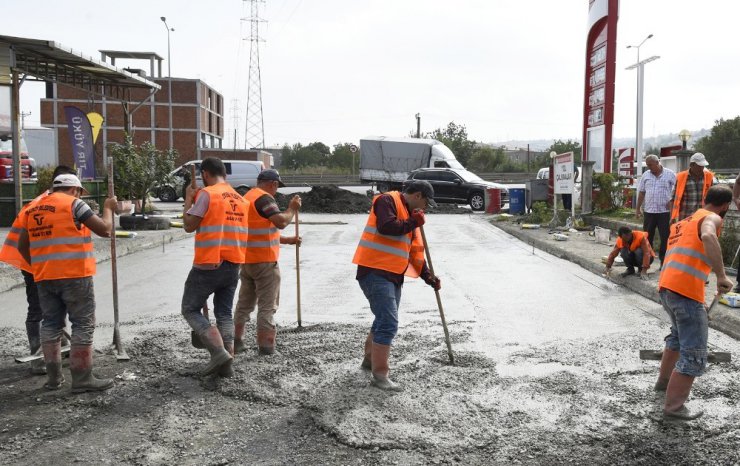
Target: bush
x,y
44,175
609,193
729,242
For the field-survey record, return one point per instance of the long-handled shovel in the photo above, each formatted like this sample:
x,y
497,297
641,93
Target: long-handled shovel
x,y
120,352
439,300
298,271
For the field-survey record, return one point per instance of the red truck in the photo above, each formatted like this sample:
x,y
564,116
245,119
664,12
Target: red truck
x,y
28,165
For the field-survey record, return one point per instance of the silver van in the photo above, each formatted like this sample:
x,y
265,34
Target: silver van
x,y
240,174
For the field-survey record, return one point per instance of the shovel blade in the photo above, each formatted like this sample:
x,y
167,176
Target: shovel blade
x,y
713,356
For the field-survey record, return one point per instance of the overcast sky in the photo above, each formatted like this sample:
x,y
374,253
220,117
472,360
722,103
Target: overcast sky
x,y
337,70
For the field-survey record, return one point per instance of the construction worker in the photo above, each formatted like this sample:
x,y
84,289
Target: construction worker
x,y
10,255
260,274
391,247
218,215
691,187
55,239
634,248
693,252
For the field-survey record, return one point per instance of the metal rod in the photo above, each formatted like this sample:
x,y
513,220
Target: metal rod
x,y
298,270
439,300
114,268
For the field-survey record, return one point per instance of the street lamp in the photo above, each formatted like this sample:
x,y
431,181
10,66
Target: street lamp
x,y
684,136
640,87
169,75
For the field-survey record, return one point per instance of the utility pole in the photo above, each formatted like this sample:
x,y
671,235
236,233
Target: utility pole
x,y
255,130
527,158
418,125
23,119
235,120
169,79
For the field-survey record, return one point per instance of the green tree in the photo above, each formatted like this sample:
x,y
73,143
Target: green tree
x,y
342,157
560,147
722,145
456,138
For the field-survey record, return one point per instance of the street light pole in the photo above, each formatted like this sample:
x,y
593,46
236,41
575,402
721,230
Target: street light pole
x,y
169,76
638,122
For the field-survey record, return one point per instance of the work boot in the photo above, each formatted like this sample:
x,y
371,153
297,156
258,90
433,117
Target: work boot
x,y
239,346
366,361
266,341
676,395
38,366
667,364
227,369
628,272
53,362
215,346
81,364
379,361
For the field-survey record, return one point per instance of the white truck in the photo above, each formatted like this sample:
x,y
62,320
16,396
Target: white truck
x,y
386,162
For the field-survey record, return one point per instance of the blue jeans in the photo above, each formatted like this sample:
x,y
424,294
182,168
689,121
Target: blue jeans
x,y
70,296
200,284
384,298
689,332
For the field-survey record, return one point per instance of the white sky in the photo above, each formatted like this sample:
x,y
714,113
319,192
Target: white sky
x,y
337,70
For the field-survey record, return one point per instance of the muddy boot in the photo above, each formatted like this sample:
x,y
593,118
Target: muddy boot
x,y
366,361
676,395
215,345
628,272
379,359
38,366
53,362
667,364
266,341
239,346
227,369
81,364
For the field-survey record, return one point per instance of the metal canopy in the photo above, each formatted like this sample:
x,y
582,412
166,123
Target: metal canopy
x,y
45,60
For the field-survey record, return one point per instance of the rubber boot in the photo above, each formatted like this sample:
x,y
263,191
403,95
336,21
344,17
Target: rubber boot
x,y
239,346
38,366
215,345
266,341
676,395
227,369
366,361
53,361
379,360
667,364
81,364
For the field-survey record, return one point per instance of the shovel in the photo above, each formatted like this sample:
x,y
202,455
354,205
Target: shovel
x,y
117,344
194,337
439,300
298,272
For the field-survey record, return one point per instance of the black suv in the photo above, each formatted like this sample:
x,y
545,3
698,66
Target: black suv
x,y
452,185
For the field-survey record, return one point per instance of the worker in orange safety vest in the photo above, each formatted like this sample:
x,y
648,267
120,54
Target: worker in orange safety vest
x,y
634,249
691,187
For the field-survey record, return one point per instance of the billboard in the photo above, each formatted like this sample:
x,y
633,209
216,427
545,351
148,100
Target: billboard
x,y
564,173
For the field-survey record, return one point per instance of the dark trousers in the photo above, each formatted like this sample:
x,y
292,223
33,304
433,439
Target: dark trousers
x,y
633,259
33,317
662,222
221,283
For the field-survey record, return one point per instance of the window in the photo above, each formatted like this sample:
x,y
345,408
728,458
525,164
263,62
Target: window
x,y
447,176
229,168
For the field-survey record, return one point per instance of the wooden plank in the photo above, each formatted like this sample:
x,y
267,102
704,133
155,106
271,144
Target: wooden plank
x,y
39,355
713,357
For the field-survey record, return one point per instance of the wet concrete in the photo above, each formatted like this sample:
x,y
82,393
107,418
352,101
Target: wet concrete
x,y
547,370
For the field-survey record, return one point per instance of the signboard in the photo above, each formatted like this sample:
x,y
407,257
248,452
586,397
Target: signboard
x,y
564,173
81,138
626,165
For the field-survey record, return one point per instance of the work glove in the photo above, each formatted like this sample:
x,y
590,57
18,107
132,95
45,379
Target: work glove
x,y
434,282
418,215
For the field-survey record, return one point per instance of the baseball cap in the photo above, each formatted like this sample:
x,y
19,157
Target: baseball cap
x,y
699,159
423,187
270,175
68,181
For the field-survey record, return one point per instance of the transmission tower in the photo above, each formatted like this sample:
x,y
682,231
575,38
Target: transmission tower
x,y
235,121
255,131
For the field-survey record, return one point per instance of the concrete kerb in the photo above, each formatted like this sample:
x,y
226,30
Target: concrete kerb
x,y
724,319
11,277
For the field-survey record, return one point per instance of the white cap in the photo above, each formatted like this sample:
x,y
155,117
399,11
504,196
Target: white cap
x,y
699,159
68,181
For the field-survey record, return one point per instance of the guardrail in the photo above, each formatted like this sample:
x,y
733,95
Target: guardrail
x,y
349,180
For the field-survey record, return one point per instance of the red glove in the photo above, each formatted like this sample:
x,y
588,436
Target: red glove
x,y
418,215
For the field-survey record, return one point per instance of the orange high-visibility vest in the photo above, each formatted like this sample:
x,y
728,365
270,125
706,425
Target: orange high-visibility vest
x,y
637,237
397,254
9,252
58,248
222,233
263,243
681,179
686,266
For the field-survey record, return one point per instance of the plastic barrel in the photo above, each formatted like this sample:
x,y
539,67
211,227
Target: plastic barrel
x,y
517,200
493,200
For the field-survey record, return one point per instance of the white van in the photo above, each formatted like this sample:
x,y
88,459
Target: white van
x,y
241,175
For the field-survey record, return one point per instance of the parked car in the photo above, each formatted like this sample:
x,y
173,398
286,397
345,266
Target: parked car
x,y
28,165
240,174
458,186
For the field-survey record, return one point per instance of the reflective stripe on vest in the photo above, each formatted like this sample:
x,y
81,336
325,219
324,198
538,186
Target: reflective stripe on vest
x,y
9,252
263,243
397,254
222,233
681,179
686,266
59,250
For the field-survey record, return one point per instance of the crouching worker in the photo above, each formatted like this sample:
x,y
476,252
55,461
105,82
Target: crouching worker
x,y
55,239
391,247
219,219
635,250
693,252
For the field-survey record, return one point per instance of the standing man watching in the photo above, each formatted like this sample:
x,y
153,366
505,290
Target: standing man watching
x,y
654,201
391,247
691,187
693,252
218,215
10,255
260,274
635,250
55,239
